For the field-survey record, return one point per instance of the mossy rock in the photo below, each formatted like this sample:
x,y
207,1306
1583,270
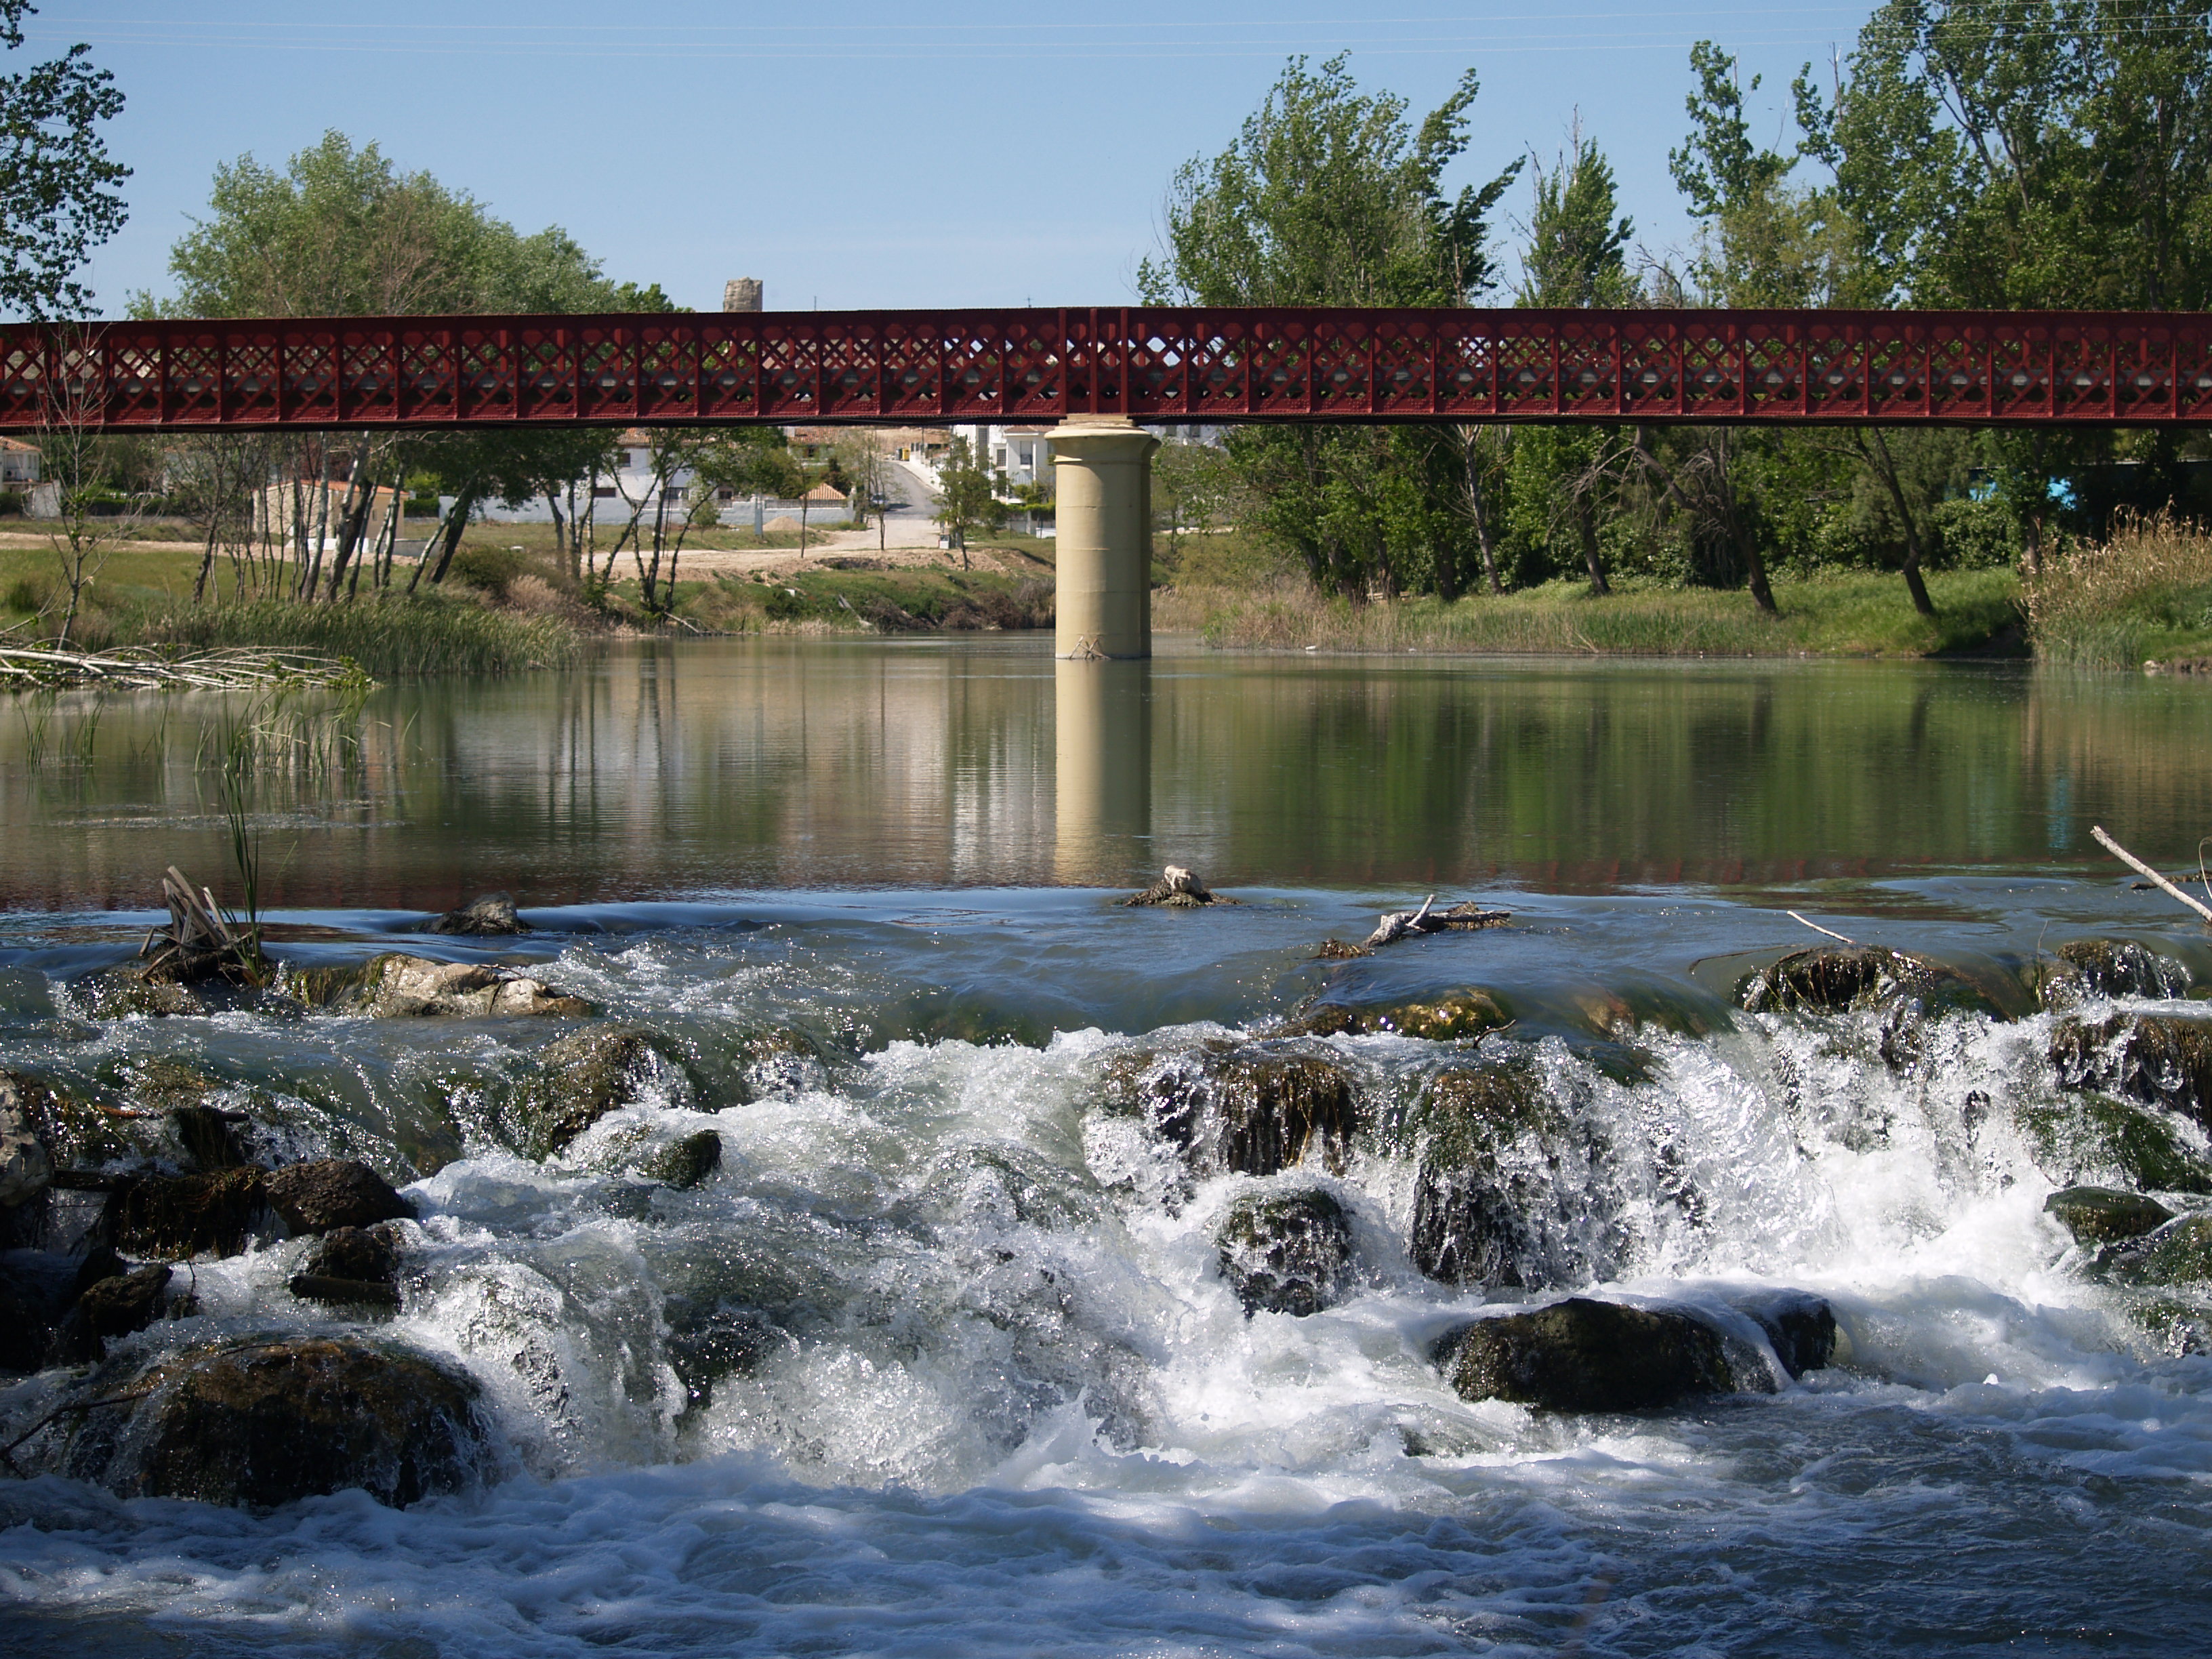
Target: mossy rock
x,y
1467,1013
2162,1060
2096,1137
2179,1253
2103,1215
259,1423
170,1218
682,1162
321,1194
116,1307
122,994
1285,1252
1584,1355
1474,1204
2110,968
1253,1109
1856,978
582,1078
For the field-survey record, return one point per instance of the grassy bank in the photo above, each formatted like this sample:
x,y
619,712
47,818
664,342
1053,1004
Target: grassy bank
x,y
2145,596
1848,614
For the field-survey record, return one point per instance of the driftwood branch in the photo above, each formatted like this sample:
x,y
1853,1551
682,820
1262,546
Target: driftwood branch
x,y
1817,928
2140,868
199,943
1179,888
1394,925
140,668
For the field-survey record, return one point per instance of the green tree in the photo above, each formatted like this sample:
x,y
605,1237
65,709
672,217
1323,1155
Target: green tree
x,y
1329,196
1578,250
57,196
969,491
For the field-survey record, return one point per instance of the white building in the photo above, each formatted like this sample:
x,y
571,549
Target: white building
x,y
1019,452
18,462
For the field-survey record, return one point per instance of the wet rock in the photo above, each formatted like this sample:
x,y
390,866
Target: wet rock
x,y
352,1267
1584,1355
333,1192
2091,1136
2162,1060
683,1164
1489,1207
1178,888
1847,979
2100,1215
79,1137
396,987
25,1168
114,1307
492,915
208,1135
1285,1252
1252,1109
171,1218
582,1077
264,1423
2179,1253
1800,1327
707,1345
2110,968
1469,1013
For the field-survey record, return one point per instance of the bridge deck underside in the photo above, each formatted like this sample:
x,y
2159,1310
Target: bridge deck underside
x,y
1152,364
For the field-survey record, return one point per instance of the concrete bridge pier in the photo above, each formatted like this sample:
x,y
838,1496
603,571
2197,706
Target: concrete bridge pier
x,y
1102,598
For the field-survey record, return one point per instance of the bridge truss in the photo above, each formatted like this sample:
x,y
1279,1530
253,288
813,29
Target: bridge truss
x,y
1155,365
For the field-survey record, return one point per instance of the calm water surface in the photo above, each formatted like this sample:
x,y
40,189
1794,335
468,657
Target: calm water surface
x,y
1010,1404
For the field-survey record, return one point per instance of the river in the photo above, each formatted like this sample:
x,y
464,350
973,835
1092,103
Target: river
x,y
1001,1397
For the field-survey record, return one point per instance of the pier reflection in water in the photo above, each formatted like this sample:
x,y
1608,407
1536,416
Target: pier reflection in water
x,y
748,763
1102,724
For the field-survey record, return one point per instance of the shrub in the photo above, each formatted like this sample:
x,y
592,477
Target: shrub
x,y
2145,591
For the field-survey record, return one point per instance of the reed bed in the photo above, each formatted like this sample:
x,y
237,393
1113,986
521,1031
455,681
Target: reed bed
x,y
2143,596
143,668
391,638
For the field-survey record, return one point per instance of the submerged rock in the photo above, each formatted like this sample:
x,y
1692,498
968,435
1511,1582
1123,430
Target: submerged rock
x,y
1584,1355
2110,968
583,1077
684,1162
1285,1252
1468,1013
490,915
332,1192
1847,979
2162,1060
2092,1136
260,1422
2179,1253
708,1345
2100,1215
398,986
120,994
173,1217
1252,1109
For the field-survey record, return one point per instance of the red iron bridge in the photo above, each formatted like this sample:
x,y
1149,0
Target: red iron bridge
x,y
1148,364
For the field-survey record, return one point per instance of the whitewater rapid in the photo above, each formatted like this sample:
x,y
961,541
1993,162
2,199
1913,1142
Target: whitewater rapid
x,y
1000,1399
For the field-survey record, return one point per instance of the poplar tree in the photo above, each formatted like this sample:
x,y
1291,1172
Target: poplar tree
x,y
57,196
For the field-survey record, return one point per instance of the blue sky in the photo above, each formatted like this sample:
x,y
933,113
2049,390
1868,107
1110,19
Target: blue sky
x,y
865,155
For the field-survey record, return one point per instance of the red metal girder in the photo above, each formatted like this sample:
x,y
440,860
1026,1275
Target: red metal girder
x,y
1176,364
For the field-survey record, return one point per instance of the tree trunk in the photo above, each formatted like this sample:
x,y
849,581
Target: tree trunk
x,y
207,557
1586,525
1885,466
456,522
1480,508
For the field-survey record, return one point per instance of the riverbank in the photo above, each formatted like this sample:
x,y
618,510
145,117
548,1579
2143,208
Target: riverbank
x,y
1854,614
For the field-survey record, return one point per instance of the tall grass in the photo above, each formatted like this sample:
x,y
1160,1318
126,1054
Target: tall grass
x,y
394,636
1855,613
2143,595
